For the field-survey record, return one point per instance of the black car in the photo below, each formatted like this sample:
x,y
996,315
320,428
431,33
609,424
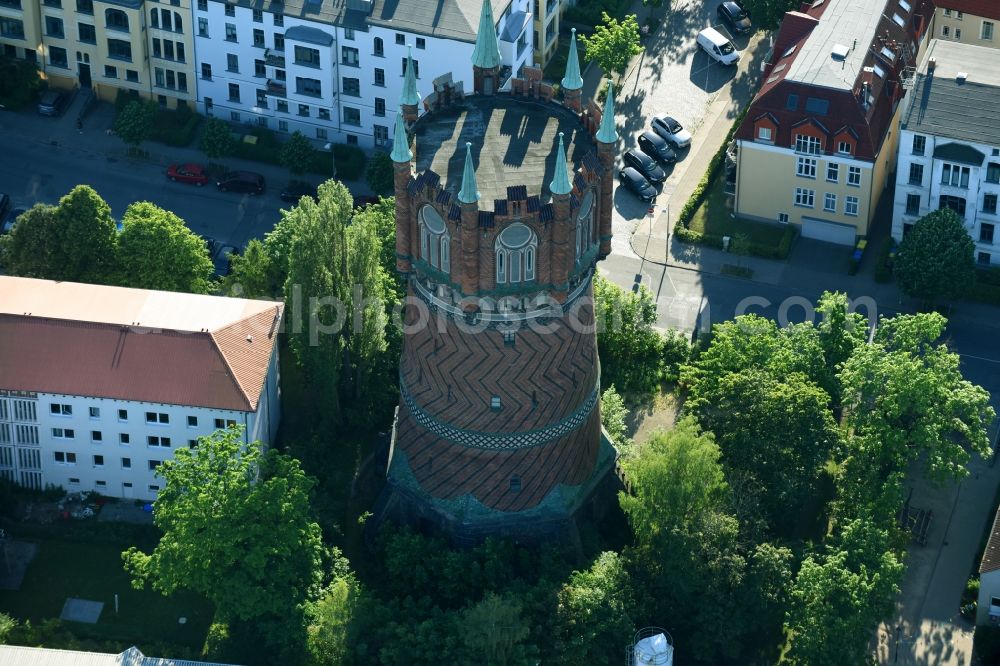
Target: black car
x,y
296,189
636,182
656,147
645,165
223,258
735,16
242,181
51,103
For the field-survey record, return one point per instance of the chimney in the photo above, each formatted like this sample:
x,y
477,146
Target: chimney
x,y
931,64
961,77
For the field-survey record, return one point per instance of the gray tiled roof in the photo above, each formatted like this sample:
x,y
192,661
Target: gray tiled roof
x,y
448,19
942,105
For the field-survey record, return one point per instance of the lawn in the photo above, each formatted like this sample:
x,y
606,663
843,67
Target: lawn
x,y
714,218
91,569
555,70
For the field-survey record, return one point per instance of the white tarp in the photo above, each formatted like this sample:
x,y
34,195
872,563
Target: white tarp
x,y
654,650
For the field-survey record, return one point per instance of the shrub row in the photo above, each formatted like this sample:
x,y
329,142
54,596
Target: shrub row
x,y
350,159
779,251
589,13
171,127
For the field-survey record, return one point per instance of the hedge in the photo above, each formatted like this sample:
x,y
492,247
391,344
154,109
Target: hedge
x,y
350,159
588,13
987,287
779,251
175,128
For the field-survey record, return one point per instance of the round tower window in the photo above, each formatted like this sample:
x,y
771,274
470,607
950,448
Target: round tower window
x,y
516,236
586,204
432,219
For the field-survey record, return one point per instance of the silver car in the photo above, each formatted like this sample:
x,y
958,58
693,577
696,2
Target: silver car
x,y
671,130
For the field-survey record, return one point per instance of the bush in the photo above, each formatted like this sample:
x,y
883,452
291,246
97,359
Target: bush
x,y
985,293
19,83
676,352
175,128
986,645
589,13
267,149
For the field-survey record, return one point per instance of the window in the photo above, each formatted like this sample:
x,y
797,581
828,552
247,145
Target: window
x,y
833,172
234,92
495,403
983,259
421,43
220,423
153,440
157,49
119,49
310,87
957,204
515,251
585,236
279,42
986,233
154,18
912,204
764,133
435,242
792,102
851,206
57,57
153,488
230,10
515,484
116,19
85,30
379,77
352,139
153,464
157,417
258,16
919,144
916,173
123,438
259,69
61,409
64,457
807,144
98,461
349,56
85,6
96,436
279,20
232,62
990,204
955,175
854,176
321,133
168,49
958,33
132,75
830,202
230,32
806,167
379,47
206,71
203,27
352,116
306,56
381,134
400,38
54,27
283,108
805,197
14,28
258,38
303,111
95,412
202,5
986,32
945,31
352,87
993,173
379,106
126,463
192,421
844,147
416,68
63,433
234,116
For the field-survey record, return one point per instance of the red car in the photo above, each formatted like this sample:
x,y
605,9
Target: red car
x,y
187,173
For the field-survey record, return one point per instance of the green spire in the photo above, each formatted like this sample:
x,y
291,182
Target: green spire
x,y
486,55
468,194
410,96
560,183
572,80
400,142
607,132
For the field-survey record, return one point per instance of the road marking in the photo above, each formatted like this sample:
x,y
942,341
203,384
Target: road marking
x,y
980,358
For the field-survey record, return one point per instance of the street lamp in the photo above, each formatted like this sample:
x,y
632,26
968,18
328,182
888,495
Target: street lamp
x,y
333,159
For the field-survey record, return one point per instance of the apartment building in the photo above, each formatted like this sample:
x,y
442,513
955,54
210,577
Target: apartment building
x,y
819,141
334,69
968,21
99,385
949,147
142,47
546,29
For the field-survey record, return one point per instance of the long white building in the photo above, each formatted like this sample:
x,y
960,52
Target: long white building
x,y
334,69
949,145
99,385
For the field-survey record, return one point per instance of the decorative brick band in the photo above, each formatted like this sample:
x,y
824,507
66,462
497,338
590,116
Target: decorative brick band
x,y
502,441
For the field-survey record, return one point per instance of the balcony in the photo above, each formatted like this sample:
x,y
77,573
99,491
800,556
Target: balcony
x,y
277,88
274,59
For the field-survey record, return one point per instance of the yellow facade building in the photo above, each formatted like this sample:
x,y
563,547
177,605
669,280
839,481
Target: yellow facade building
x,y
968,22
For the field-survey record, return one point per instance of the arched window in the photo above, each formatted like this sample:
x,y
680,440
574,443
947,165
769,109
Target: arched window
x,y
435,243
516,248
154,17
116,19
585,225
379,47
178,25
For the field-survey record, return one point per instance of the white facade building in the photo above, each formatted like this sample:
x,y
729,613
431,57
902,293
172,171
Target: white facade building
x,y
98,385
333,69
949,147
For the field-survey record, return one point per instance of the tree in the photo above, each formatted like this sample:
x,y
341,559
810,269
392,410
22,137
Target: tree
x,y
236,529
935,259
631,350
769,13
217,141
86,235
19,82
494,631
297,154
156,250
7,625
840,333
134,122
379,173
613,44
839,597
593,617
31,249
613,415
327,634
251,273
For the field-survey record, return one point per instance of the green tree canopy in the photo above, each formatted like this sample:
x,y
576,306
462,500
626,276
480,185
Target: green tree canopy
x,y
236,529
613,44
135,121
769,13
156,250
297,154
594,614
87,236
935,260
19,82
32,249
217,141
379,173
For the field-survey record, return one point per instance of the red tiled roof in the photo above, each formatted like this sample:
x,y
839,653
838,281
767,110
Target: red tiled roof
x,y
223,368
985,8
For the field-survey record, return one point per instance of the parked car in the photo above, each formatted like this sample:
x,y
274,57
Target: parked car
x,y
671,130
51,103
242,181
656,147
635,181
735,16
645,165
718,47
11,219
223,258
296,189
187,173
362,200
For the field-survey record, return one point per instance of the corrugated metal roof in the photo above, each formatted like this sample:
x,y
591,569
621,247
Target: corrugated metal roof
x,y
16,655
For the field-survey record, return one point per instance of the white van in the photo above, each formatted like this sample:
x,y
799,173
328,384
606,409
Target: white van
x,y
718,47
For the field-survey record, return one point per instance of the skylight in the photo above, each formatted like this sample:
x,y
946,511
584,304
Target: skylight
x,y
900,21
840,51
888,53
790,51
904,5
879,71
